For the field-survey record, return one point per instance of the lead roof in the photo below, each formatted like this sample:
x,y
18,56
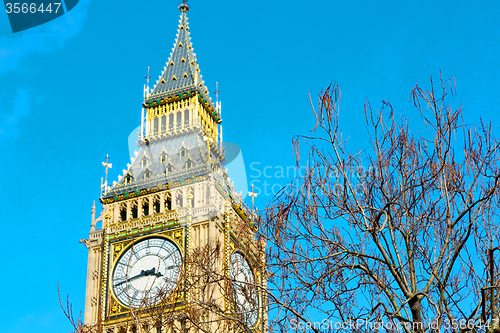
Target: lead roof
x,y
181,71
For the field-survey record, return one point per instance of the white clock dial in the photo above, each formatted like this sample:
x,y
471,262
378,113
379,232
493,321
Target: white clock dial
x,y
244,289
146,271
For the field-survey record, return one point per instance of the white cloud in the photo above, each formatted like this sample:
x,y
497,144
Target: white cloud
x,y
42,39
16,48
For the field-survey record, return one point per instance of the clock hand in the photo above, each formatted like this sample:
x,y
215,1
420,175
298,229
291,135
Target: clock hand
x,y
132,278
152,271
149,272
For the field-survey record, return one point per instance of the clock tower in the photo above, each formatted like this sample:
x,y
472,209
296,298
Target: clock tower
x,y
174,248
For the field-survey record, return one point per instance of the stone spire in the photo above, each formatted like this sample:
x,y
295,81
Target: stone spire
x,y
181,72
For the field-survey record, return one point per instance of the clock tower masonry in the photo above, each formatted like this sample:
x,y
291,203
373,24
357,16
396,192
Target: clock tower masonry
x,y
174,247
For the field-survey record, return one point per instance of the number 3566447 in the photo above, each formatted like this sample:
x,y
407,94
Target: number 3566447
x,y
25,8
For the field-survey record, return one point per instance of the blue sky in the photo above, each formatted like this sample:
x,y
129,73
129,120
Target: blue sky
x,y
71,93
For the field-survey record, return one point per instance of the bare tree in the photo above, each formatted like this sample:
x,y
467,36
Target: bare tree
x,y
396,237
76,323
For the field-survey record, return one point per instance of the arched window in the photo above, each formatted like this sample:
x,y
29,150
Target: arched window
x,y
123,214
186,118
171,122
145,208
169,168
155,126
178,120
163,124
128,179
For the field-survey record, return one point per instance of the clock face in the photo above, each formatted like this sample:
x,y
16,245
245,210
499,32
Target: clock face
x,y
146,272
244,289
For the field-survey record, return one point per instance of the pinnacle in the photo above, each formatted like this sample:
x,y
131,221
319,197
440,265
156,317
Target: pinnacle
x,y
181,64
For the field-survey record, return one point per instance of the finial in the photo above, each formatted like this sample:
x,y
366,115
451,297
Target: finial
x,y
216,92
92,223
146,91
106,165
184,7
253,195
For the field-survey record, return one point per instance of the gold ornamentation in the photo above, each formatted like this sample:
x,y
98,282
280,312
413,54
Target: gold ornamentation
x,y
116,250
114,306
104,279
